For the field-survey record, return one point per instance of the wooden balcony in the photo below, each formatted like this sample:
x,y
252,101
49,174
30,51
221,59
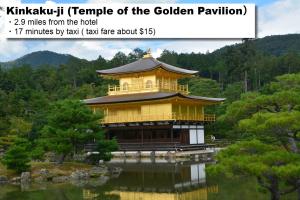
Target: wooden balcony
x,y
162,117
139,88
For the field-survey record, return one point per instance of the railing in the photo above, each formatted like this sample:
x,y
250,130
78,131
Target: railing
x,y
162,117
137,88
209,117
152,146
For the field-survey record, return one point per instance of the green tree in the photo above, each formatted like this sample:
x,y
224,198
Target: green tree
x,y
70,123
233,92
278,98
275,169
4,112
136,54
204,87
170,57
103,149
17,157
20,127
281,128
272,116
119,59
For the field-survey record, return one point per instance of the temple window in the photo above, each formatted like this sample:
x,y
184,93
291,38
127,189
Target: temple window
x,y
125,86
149,84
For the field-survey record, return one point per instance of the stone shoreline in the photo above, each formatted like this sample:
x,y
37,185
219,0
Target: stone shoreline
x,y
99,174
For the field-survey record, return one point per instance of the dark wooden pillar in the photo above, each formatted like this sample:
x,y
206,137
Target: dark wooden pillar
x,y
142,135
172,134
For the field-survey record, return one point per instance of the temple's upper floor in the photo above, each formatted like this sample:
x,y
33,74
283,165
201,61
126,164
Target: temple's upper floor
x,y
146,75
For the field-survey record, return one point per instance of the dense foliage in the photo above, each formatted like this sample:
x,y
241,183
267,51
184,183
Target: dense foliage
x,y
272,116
70,124
103,151
275,169
18,156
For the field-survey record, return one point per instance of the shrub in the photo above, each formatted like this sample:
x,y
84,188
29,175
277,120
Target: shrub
x,y
16,158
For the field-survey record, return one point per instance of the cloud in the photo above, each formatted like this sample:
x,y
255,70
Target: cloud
x,y
3,4
50,2
280,17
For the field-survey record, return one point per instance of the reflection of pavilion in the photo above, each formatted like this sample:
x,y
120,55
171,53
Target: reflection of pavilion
x,y
196,194
161,181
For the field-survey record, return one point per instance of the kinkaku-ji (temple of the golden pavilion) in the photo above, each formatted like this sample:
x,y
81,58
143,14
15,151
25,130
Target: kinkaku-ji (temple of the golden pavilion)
x,y
150,110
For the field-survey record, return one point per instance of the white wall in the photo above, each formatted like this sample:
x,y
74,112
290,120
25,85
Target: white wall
x,y
196,136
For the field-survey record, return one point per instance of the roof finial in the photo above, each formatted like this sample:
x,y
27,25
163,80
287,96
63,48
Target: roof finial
x,y
148,54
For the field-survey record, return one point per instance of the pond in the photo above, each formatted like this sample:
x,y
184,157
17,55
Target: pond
x,y
147,180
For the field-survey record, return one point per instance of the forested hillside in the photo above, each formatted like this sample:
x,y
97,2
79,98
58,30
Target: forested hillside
x,y
278,45
26,91
40,58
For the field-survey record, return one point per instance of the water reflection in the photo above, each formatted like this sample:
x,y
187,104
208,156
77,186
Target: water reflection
x,y
157,180
139,180
146,180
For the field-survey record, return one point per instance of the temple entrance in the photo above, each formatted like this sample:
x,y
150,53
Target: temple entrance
x,y
184,135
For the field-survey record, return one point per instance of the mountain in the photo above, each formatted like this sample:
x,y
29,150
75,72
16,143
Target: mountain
x,y
279,44
38,58
274,45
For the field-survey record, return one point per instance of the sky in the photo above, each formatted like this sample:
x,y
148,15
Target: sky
x,y
275,17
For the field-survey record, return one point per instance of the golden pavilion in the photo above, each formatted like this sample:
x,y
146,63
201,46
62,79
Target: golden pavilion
x,y
150,110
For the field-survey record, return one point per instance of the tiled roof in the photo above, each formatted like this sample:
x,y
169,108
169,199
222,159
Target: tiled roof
x,y
145,97
145,64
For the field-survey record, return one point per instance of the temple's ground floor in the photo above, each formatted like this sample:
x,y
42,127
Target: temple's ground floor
x,y
167,136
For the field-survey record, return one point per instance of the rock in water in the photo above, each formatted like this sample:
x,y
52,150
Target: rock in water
x,y
44,175
3,179
15,180
98,171
44,172
25,177
79,175
115,172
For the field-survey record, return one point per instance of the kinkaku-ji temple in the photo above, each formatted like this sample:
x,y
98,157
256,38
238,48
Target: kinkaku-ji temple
x,y
150,110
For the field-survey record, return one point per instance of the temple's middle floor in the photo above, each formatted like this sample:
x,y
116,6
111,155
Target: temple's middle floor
x,y
148,137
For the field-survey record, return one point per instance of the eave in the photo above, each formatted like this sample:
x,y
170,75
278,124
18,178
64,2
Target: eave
x,y
146,97
144,65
